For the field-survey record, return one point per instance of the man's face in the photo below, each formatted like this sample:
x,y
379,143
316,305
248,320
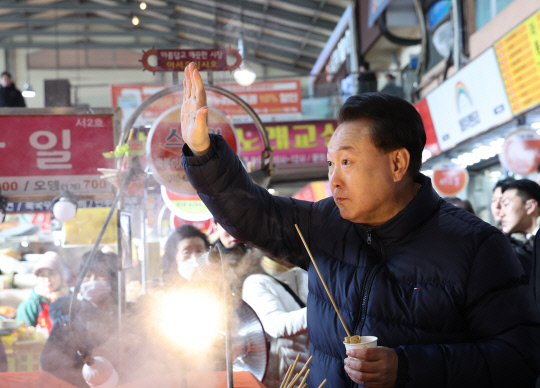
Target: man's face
x,y
360,175
5,80
496,204
226,239
515,214
190,247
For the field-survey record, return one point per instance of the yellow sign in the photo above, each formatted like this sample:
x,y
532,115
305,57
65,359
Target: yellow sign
x,y
84,228
518,53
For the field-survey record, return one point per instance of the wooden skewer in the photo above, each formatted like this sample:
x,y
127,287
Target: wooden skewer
x,y
286,376
292,370
322,281
300,374
323,383
304,386
303,382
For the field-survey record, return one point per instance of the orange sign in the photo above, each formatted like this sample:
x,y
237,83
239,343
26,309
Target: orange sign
x,y
164,147
521,152
449,179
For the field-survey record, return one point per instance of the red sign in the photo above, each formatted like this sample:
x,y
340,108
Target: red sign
x,y
314,191
297,143
178,60
432,144
164,147
521,152
269,99
187,207
203,226
44,154
449,179
266,98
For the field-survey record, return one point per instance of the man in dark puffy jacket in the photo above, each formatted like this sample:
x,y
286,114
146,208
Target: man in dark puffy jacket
x,y
10,96
442,290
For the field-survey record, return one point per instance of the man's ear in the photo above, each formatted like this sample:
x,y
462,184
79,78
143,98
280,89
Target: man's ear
x,y
531,206
400,160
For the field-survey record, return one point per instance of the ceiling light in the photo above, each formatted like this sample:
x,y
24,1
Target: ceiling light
x,y
64,206
142,5
244,76
28,91
135,20
535,125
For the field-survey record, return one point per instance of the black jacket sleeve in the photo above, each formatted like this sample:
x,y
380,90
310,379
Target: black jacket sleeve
x,y
245,210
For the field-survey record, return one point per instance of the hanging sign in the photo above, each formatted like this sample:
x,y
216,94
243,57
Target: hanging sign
x,y
187,207
178,60
164,147
521,152
449,179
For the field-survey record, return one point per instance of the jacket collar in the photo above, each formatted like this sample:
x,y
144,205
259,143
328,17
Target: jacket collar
x,y
422,207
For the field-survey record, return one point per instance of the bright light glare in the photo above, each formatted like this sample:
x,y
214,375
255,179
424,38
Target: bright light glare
x,y
271,191
244,76
24,243
535,125
191,318
135,20
142,5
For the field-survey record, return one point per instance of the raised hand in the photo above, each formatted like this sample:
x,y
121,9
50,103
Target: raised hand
x,y
194,112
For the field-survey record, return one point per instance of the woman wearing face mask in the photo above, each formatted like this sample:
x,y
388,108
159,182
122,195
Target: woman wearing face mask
x,y
183,247
94,323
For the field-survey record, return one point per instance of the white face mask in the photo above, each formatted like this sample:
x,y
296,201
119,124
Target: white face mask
x,y
95,290
187,267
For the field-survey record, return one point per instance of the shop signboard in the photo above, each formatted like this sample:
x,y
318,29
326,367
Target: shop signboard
x,y
521,152
203,226
271,100
314,191
449,179
518,55
45,151
470,102
186,207
164,147
293,143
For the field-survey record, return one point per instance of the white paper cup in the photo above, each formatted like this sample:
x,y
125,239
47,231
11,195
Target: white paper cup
x,y
368,341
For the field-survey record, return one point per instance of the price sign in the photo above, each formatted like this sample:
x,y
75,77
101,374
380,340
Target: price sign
x,y
449,179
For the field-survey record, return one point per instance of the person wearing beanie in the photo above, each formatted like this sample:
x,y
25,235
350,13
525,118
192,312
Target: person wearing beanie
x,y
34,311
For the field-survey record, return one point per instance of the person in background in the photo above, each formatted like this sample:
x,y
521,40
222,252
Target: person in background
x,y
279,298
49,271
240,259
496,198
519,218
182,249
10,96
95,323
464,204
367,80
391,87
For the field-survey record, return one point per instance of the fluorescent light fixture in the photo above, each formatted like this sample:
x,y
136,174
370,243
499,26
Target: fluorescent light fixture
x,y
535,125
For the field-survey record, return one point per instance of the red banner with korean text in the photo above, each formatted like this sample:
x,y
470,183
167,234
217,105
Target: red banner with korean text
x,y
44,154
293,143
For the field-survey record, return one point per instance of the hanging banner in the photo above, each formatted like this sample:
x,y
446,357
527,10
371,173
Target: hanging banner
x,y
314,191
432,144
164,147
449,179
43,154
521,152
187,207
518,55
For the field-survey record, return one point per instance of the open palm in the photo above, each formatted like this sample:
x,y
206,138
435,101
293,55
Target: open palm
x,y
194,112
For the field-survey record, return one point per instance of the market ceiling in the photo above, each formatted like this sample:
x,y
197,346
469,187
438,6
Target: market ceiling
x,y
287,35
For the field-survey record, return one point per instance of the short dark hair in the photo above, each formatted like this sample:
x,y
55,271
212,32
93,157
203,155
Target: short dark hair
x,y
503,183
103,262
171,246
394,124
6,73
525,189
461,203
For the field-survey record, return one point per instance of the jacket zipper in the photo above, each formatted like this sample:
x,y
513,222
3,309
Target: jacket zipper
x,y
366,290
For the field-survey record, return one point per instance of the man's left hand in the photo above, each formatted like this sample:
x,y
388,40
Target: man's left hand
x,y
376,367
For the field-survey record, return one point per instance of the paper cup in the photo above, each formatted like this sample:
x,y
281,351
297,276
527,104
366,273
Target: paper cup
x,y
368,341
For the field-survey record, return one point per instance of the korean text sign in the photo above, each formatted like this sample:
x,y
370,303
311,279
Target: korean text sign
x,y
44,154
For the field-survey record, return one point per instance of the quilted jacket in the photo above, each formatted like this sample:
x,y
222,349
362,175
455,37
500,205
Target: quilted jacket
x,y
435,283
